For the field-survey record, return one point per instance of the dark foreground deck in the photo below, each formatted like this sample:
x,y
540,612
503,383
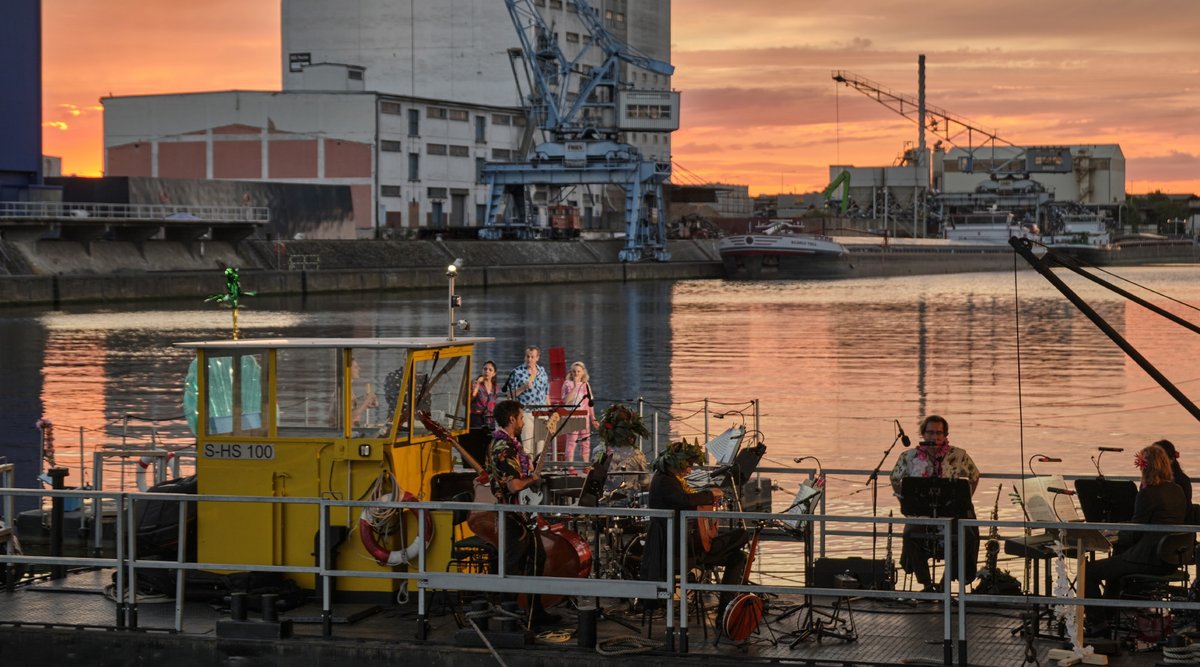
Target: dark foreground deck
x,y
71,619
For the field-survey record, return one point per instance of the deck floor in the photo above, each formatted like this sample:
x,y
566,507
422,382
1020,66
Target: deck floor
x,y
889,632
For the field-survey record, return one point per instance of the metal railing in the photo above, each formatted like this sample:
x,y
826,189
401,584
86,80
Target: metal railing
x,y
85,211
127,565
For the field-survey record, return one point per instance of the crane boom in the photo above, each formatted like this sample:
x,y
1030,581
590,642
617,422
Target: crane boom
x,y
948,126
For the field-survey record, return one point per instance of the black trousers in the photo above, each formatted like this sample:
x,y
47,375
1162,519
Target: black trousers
x,y
1109,572
921,543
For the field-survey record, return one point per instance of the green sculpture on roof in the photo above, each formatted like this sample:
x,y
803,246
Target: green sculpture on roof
x,y
232,296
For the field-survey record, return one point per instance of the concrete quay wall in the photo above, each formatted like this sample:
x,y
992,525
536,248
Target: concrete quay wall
x,y
354,266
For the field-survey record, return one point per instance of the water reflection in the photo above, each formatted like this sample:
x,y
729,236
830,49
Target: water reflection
x,y
833,362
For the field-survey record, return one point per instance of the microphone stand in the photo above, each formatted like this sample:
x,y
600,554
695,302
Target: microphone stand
x,y
873,482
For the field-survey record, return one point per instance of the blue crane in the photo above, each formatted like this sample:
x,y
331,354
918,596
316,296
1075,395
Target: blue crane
x,y
580,110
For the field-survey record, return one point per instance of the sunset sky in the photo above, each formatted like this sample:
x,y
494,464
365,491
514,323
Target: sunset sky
x,y
759,106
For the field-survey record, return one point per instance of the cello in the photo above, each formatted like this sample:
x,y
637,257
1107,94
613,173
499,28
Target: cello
x,y
744,613
567,554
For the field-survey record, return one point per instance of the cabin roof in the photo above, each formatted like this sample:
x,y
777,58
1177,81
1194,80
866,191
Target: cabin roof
x,y
427,342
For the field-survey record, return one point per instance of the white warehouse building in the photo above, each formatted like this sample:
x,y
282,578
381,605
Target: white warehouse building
x,y
402,102
1093,175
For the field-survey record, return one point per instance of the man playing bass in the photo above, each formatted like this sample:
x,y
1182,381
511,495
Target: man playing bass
x,y
511,471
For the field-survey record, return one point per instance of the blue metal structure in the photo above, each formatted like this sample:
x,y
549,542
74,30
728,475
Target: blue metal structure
x,y
20,106
569,102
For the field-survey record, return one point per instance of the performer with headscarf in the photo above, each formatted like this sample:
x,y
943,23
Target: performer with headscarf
x,y
670,490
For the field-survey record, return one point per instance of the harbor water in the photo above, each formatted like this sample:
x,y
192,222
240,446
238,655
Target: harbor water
x,y
1005,358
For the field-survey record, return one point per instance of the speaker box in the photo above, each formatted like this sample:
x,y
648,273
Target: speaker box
x,y
756,495
836,573
445,486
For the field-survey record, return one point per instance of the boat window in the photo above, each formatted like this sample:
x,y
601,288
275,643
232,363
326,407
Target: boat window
x,y
236,391
307,390
376,376
440,389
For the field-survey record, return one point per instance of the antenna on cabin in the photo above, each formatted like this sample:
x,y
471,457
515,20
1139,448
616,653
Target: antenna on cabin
x,y
455,300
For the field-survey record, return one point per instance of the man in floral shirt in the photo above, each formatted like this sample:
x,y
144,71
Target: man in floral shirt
x,y
511,470
934,457
529,384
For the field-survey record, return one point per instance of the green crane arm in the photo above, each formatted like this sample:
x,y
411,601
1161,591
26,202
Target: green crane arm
x,y
843,179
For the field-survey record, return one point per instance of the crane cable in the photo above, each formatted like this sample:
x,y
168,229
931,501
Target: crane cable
x,y
1031,618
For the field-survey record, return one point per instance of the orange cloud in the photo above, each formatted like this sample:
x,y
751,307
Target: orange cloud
x,y
759,106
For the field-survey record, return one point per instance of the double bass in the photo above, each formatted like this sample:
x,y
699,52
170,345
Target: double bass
x,y
567,554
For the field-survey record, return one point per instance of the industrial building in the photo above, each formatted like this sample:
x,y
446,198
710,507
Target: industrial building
x,y
1092,175
402,102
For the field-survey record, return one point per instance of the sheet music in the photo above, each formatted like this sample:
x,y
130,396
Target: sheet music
x,y
724,447
806,497
699,478
1043,505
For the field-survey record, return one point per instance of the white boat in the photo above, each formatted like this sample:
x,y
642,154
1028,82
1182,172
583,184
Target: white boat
x,y
992,226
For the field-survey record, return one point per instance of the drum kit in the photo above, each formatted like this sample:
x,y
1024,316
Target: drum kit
x,y
617,541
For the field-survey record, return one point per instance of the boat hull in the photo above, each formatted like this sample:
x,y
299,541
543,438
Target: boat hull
x,y
1131,253
865,261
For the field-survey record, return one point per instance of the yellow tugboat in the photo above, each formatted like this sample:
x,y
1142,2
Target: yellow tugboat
x,y
325,418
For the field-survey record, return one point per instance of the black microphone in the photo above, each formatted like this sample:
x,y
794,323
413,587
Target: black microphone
x,y
1049,459
903,438
800,458
1111,449
588,396
926,443
1065,492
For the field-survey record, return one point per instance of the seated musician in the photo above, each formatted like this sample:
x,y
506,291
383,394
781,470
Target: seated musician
x,y
511,470
934,457
619,429
669,490
1160,501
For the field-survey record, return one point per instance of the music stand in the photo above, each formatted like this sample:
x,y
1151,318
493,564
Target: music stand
x,y
593,485
1106,500
805,498
744,465
935,497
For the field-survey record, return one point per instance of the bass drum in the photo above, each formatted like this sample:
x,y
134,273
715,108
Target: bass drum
x,y
631,558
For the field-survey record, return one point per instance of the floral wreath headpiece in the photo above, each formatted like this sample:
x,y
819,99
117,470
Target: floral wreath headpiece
x,y
621,427
680,455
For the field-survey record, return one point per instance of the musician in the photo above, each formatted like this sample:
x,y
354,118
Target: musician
x,y
1160,501
1181,478
935,457
528,383
485,391
669,490
619,429
511,470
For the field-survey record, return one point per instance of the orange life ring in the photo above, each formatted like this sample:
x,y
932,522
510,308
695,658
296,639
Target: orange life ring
x,y
366,532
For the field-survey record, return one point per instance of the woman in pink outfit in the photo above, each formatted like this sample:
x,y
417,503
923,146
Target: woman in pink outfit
x,y
577,392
